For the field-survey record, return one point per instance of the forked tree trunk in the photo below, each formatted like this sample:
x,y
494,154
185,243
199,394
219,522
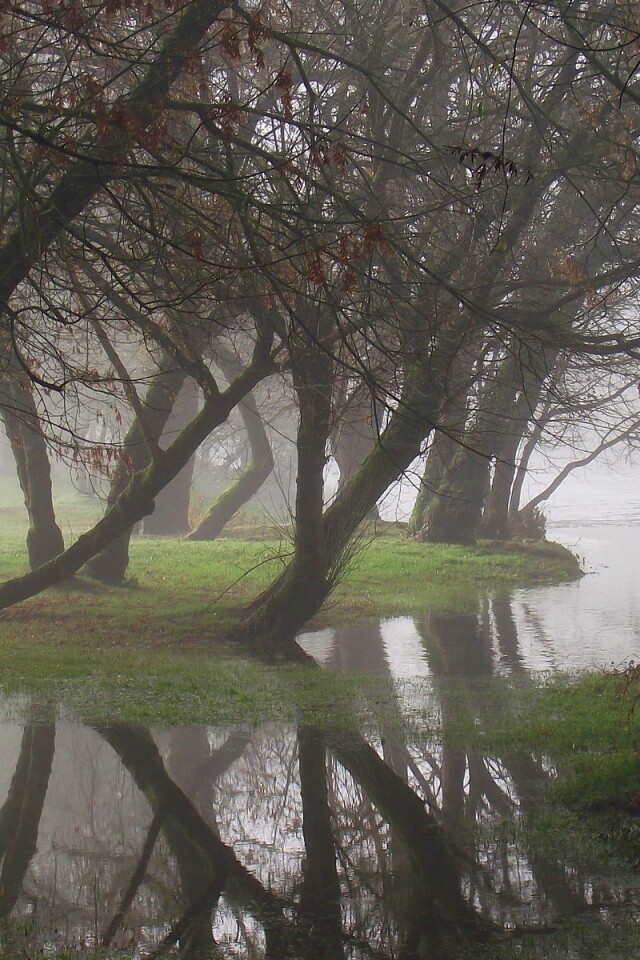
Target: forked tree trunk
x,y
321,546
111,564
29,447
495,524
454,515
495,521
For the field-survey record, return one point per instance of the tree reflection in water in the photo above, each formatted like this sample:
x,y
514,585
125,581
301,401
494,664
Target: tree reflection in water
x,y
302,841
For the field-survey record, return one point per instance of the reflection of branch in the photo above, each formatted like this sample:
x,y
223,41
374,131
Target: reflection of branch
x,y
189,921
140,755
136,878
220,760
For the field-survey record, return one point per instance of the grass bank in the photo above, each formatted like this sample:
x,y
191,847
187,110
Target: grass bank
x,y
156,648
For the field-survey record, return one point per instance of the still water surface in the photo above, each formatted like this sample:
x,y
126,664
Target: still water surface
x,y
299,840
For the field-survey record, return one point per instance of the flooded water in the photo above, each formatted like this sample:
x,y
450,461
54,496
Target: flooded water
x,y
589,623
301,840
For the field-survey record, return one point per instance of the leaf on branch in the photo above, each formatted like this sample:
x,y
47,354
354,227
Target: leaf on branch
x,y
314,267
481,162
374,237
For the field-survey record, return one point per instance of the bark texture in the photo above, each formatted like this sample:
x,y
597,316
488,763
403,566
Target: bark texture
x,y
111,564
170,517
31,454
252,477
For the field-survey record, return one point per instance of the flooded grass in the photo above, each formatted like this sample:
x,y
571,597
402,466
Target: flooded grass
x,y
557,755
578,939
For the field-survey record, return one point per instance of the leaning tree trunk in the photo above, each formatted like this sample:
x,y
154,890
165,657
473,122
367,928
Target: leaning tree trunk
x,y
321,547
111,564
252,478
136,500
22,424
171,515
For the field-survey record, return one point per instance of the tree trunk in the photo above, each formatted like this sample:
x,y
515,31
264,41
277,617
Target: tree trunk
x,y
281,609
495,523
439,457
171,515
446,440
111,564
322,546
355,434
454,515
137,498
249,481
22,424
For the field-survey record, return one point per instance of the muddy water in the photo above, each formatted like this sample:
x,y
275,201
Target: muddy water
x,y
306,841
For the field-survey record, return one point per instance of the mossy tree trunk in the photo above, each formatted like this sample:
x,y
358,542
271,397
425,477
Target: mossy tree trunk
x,y
446,440
439,457
111,564
294,597
31,454
136,499
170,517
323,540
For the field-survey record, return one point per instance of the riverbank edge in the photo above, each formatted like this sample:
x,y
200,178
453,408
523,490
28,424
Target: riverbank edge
x,y
155,650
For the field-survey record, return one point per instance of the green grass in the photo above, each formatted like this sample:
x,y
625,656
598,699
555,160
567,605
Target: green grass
x,y
579,938
155,651
156,648
586,728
